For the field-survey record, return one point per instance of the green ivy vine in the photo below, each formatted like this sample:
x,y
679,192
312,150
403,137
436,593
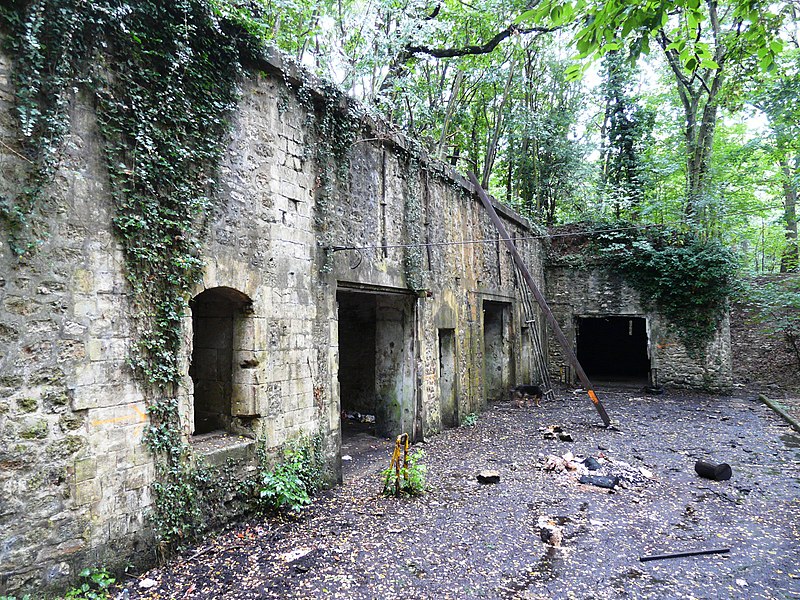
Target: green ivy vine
x,y
162,77
689,280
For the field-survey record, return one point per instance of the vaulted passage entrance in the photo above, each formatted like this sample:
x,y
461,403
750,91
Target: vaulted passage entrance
x,y
613,348
376,360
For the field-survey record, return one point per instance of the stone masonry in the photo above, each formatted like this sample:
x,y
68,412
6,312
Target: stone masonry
x,y
594,292
402,239
75,484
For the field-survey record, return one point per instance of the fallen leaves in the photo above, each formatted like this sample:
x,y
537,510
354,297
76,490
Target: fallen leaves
x,y
463,539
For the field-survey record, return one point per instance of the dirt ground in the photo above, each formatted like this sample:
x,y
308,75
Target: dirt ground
x,y
463,539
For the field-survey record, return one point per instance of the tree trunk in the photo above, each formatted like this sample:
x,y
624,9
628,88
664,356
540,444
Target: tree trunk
x,y
491,150
789,259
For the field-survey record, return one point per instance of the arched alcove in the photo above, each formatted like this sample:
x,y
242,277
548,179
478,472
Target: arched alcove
x,y
219,316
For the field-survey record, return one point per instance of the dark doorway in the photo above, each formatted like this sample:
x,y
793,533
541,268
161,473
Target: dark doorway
x,y
613,348
357,362
448,403
497,362
376,383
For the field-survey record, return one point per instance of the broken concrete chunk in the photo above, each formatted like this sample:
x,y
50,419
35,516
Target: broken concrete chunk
x,y
556,432
591,463
488,476
600,481
550,533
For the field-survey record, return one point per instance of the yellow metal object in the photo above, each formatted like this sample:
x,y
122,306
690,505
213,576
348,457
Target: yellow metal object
x,y
593,396
400,445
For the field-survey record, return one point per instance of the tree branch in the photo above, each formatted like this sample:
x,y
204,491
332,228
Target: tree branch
x,y
473,49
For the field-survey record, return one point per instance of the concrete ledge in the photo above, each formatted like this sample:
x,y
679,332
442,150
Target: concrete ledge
x,y
218,447
781,411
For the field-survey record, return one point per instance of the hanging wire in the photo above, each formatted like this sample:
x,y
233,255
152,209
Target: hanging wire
x,y
496,240
487,240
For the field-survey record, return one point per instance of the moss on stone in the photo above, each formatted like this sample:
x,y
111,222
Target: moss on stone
x,y
49,376
66,447
37,431
56,398
27,404
70,422
11,381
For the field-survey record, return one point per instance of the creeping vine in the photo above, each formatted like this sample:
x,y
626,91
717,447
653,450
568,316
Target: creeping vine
x,y
687,279
163,79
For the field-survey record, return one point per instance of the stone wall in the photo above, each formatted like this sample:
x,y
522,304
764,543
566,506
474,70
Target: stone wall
x,y
575,293
75,483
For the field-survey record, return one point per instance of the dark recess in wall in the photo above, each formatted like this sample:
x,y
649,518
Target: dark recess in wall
x,y
613,347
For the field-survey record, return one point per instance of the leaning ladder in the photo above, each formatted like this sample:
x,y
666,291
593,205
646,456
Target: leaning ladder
x,y
536,343
548,314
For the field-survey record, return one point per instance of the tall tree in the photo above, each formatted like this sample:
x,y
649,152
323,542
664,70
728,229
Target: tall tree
x,y
703,42
624,131
778,97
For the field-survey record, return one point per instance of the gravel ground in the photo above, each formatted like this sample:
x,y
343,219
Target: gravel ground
x,y
463,539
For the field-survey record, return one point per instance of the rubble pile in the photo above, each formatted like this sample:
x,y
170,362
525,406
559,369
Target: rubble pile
x,y
599,466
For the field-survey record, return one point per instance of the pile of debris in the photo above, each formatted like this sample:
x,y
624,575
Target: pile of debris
x,y
357,417
556,432
600,470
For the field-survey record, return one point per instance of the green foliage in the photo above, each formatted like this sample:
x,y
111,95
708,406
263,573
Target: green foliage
x,y
94,586
290,484
687,279
469,420
626,129
411,477
775,303
163,79
193,498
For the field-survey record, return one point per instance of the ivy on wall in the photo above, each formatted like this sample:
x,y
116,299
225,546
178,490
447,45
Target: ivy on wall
x,y
162,77
687,279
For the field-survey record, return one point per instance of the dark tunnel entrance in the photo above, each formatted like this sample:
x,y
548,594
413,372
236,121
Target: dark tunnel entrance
x,y
613,348
376,376
376,372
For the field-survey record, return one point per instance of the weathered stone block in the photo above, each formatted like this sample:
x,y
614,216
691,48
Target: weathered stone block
x,y
34,430
87,492
243,400
85,469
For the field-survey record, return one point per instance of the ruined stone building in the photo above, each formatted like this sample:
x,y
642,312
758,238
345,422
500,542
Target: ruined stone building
x,y
389,302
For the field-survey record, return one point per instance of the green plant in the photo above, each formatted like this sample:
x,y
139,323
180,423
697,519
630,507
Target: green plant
x,y
469,420
688,279
291,483
94,587
162,78
775,305
411,477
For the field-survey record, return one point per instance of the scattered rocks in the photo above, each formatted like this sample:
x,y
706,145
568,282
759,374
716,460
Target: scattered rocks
x,y
147,583
550,533
600,481
556,432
